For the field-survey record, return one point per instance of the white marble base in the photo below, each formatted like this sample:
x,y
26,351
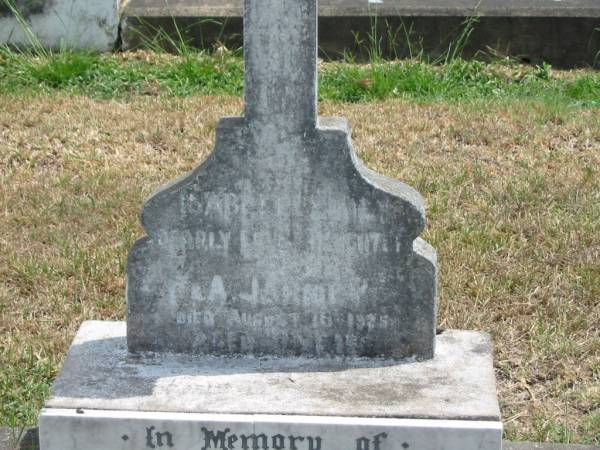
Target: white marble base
x,y
106,398
62,429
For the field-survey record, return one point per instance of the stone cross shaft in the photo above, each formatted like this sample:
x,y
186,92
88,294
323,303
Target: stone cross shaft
x,y
280,49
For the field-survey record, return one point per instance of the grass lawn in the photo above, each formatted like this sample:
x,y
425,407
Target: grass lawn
x,y
507,157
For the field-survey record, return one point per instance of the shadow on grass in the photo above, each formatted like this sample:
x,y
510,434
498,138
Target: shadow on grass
x,y
30,440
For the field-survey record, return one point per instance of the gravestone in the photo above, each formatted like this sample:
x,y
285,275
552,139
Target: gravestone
x,y
281,300
283,242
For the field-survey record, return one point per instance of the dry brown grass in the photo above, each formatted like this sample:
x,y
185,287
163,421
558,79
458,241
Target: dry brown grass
x,y
514,208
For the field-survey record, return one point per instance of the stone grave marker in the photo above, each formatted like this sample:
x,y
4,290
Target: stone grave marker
x,y
283,242
281,300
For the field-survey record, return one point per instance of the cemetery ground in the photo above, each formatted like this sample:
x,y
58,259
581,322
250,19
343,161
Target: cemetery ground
x,y
506,156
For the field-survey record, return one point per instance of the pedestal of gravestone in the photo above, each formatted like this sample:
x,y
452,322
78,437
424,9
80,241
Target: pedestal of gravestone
x,y
109,399
281,299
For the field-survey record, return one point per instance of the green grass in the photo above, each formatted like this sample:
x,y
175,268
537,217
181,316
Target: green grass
x,y
458,104
200,73
457,79
24,384
108,76
513,194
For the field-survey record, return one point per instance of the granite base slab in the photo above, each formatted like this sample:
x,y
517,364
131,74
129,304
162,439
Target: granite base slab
x,y
106,398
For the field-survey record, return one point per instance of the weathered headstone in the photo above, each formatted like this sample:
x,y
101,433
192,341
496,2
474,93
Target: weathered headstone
x,y
281,245
283,242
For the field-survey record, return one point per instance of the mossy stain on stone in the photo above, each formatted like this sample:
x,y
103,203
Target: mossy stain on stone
x,y
26,8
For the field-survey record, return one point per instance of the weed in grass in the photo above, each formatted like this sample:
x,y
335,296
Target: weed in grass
x,y
65,69
180,40
584,89
386,41
597,57
457,46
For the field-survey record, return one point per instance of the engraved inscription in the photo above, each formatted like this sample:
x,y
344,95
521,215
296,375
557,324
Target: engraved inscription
x,y
157,439
364,443
227,439
350,321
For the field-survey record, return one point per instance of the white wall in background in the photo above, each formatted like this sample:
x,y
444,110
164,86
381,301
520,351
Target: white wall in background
x,y
75,24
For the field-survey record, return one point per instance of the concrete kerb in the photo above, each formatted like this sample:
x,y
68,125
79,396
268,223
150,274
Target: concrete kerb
x,y
531,31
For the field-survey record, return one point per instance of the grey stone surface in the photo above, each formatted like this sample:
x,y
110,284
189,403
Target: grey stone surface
x,y
282,242
30,442
99,373
74,24
7,438
546,446
118,430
